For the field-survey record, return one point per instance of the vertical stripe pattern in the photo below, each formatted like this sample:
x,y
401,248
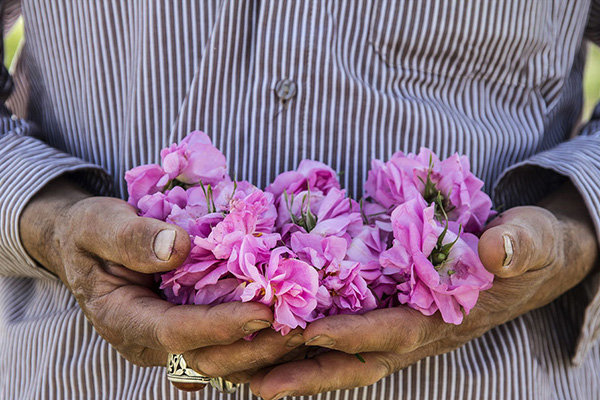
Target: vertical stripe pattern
x,y
101,86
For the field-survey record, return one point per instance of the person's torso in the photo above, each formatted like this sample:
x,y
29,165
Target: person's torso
x,y
274,82
277,81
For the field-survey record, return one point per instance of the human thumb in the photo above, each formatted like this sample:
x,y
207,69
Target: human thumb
x,y
111,230
519,240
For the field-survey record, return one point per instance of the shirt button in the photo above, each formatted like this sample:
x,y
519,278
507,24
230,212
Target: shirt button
x,y
286,89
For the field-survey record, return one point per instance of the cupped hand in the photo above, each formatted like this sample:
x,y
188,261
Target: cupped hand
x,y
106,255
536,255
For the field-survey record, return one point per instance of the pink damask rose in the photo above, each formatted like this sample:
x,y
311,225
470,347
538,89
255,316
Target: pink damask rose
x,y
463,199
204,281
252,215
228,193
283,282
142,181
196,217
160,205
449,183
201,278
307,250
206,206
435,269
342,287
343,290
223,224
365,248
258,207
194,160
310,175
317,250
392,183
333,214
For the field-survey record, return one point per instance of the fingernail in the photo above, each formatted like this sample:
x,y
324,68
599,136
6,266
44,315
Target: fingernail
x,y
163,244
295,340
508,250
256,325
281,395
320,340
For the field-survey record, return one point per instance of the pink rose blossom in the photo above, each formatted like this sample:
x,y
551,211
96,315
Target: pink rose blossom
x,y
143,181
259,205
194,160
467,204
202,279
194,224
287,284
317,250
392,183
342,290
452,282
204,205
174,292
310,175
305,249
199,281
406,176
367,244
365,248
193,272
200,213
159,205
332,214
227,193
252,215
223,291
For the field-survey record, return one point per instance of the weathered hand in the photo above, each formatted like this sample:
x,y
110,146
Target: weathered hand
x,y
536,254
106,255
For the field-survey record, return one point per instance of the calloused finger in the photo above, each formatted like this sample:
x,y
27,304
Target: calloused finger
x,y
326,372
135,314
332,371
399,330
111,229
266,349
519,240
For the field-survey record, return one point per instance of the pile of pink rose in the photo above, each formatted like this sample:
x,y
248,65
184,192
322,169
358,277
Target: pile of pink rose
x,y
306,249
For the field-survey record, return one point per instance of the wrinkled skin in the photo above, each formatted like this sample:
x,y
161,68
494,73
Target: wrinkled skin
x,y
104,254
554,248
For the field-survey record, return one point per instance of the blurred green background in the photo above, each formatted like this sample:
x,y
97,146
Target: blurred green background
x,y
11,42
591,81
591,76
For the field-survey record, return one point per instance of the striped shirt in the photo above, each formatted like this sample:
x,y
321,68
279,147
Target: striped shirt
x,y
101,86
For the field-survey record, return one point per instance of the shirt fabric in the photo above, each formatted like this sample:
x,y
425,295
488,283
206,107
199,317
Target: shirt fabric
x,y
101,86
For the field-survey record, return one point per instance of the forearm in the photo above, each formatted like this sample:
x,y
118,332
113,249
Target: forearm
x,y
38,220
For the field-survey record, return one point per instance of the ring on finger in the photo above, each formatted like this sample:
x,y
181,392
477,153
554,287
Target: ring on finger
x,y
178,372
